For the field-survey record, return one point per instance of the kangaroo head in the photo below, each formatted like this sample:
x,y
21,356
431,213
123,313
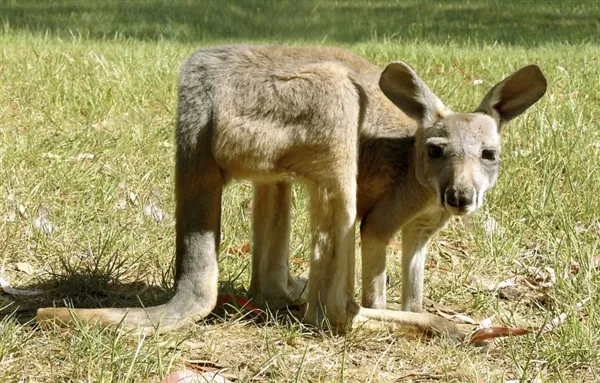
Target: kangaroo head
x,y
457,155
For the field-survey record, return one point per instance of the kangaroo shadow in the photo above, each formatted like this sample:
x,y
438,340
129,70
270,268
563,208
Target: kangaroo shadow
x,y
98,290
81,290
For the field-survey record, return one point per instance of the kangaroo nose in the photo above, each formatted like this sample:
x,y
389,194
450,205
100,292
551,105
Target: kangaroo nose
x,y
458,198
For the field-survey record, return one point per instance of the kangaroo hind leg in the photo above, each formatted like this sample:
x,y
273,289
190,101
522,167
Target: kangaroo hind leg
x,y
272,284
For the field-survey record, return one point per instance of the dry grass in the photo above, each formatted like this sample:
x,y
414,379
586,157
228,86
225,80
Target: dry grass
x,y
86,144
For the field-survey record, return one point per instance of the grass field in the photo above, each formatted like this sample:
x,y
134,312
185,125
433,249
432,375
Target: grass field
x,y
87,107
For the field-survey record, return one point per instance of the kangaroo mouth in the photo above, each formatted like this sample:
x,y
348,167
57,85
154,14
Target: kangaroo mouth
x,y
459,211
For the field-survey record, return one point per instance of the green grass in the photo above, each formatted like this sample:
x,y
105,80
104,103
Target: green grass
x,y
87,107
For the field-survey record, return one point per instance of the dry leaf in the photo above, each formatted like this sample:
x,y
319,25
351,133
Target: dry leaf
x,y
596,260
542,276
84,156
460,318
133,198
496,332
447,312
121,204
24,267
188,376
299,261
433,266
100,125
557,321
240,250
10,217
396,244
42,222
202,365
512,293
241,301
486,323
575,267
22,211
465,73
512,281
152,210
51,156
433,306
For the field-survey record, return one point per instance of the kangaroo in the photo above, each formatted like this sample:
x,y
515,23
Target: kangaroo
x,y
374,147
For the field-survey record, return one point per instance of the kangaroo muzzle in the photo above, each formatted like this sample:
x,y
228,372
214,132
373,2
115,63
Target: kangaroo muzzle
x,y
459,201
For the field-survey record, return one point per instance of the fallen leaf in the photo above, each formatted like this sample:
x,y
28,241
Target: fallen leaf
x,y
486,323
242,302
202,365
433,306
557,321
396,244
152,210
496,332
188,376
542,276
512,293
460,318
580,229
299,261
42,222
465,73
447,312
51,156
512,281
575,267
100,125
240,250
10,217
121,204
133,198
433,266
24,267
192,345
6,288
22,211
427,377
84,156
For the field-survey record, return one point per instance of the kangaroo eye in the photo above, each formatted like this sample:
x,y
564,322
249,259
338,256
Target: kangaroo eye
x,y
435,151
488,154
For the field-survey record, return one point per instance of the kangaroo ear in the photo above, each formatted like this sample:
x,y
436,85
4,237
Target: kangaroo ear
x,y
408,91
513,95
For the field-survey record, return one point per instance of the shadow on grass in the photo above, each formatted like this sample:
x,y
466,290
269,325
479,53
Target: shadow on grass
x,y
102,291
83,291
476,22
